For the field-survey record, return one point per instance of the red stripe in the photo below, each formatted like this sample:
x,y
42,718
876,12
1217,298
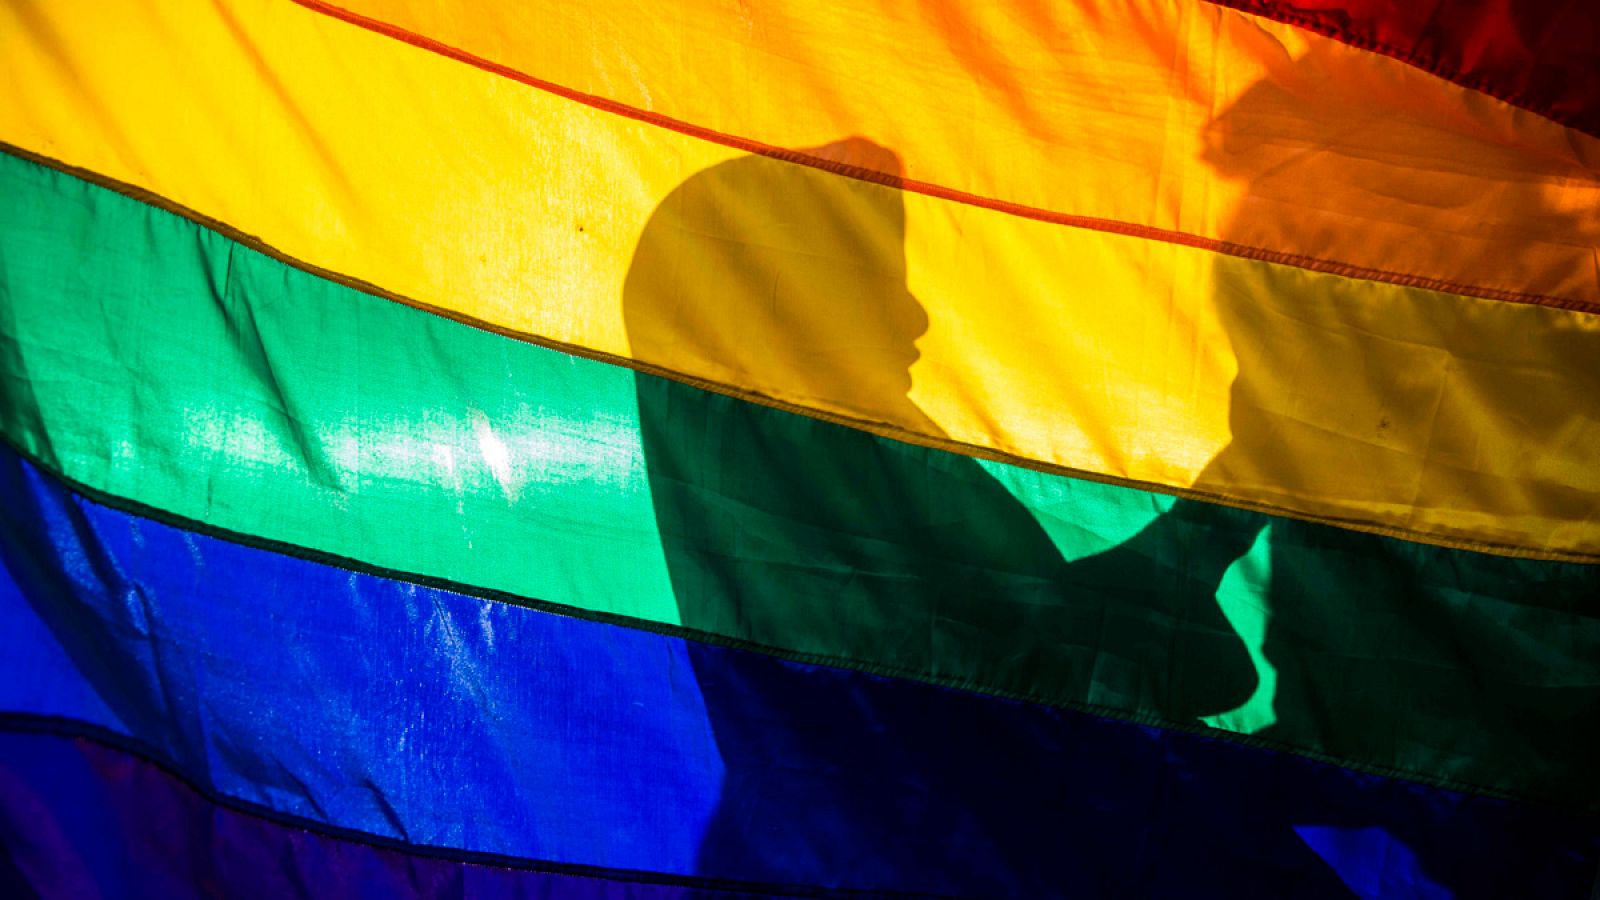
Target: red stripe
x,y
1540,55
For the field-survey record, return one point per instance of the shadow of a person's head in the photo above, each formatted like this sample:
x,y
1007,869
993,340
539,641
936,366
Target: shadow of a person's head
x,y
1332,159
792,280
787,279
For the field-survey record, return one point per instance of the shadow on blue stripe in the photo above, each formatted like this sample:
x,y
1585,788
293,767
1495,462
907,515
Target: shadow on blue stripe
x,y
447,721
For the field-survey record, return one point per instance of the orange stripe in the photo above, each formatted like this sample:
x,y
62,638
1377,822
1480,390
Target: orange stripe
x,y
1455,419
1314,154
864,173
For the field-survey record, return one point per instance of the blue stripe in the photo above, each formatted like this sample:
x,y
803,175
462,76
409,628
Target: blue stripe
x,y
445,720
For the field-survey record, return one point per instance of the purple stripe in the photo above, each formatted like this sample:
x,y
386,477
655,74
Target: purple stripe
x,y
81,819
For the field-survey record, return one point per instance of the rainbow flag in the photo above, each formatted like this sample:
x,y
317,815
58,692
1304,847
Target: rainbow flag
x,y
1087,448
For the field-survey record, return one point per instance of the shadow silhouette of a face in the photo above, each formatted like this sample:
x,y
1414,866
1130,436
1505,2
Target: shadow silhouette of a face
x,y
790,532
784,278
1421,387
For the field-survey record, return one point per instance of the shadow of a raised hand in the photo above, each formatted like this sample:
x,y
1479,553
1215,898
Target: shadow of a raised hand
x,y
1165,643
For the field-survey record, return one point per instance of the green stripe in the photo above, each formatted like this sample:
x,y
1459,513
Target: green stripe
x,y
152,359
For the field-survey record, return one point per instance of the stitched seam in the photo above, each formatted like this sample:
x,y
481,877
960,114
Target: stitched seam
x,y
882,429
968,685
79,730
1088,223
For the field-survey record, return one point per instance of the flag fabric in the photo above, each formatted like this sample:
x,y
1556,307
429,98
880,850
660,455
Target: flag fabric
x,y
1082,448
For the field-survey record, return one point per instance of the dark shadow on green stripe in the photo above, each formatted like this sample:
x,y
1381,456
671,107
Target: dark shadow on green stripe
x,y
123,346
789,530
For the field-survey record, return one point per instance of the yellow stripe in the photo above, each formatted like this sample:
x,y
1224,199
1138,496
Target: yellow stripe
x,y
1381,406
1172,114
